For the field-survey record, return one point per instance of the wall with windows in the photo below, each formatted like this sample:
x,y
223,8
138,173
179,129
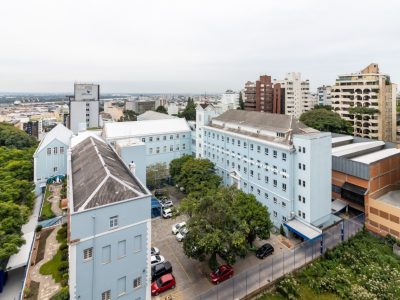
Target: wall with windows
x,y
110,251
49,162
84,114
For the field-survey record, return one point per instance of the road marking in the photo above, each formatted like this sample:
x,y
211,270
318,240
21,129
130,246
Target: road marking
x,y
179,262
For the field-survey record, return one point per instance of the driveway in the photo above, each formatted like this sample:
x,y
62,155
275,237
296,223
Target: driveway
x,y
191,275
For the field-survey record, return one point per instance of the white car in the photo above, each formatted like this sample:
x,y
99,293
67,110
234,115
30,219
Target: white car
x,y
167,213
177,227
166,204
182,234
157,259
155,251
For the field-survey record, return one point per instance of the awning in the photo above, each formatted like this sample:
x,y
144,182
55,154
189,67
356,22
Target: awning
x,y
307,232
21,258
354,188
338,205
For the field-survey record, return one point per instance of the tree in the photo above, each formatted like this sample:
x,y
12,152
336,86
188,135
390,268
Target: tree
x,y
223,221
175,166
197,175
241,102
13,137
325,120
129,115
189,113
161,109
155,174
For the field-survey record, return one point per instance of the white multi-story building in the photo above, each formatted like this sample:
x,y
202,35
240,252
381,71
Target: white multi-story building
x,y
109,225
324,95
297,94
368,101
84,107
286,165
229,100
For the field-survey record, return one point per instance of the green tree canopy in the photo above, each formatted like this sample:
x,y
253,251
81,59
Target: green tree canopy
x,y
175,166
197,175
11,136
129,115
155,174
189,113
241,102
161,109
223,221
326,120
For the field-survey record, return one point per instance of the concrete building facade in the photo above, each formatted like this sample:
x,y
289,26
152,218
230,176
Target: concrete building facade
x,y
109,225
274,157
368,101
84,107
324,95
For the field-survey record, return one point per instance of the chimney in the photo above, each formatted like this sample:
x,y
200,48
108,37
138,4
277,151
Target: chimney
x,y
132,167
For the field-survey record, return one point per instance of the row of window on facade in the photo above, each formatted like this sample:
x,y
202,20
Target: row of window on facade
x,y
55,150
121,286
164,149
164,138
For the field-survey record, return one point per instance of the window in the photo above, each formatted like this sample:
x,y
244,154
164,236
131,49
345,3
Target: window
x,y
233,141
177,136
284,187
164,137
283,219
304,215
304,150
158,150
183,146
171,137
265,195
114,222
251,173
299,166
284,156
137,282
227,139
121,286
171,148
299,149
275,201
284,173
266,151
275,182
251,188
275,214
165,149
299,198
283,204
304,183
258,192
48,151
258,149
304,199
300,182
55,150
275,153
299,213
238,143
157,138
245,185
55,169
106,295
245,170
304,167
151,150
251,147
244,145
266,179
121,249
106,254
177,147
61,150
150,139
88,253
137,244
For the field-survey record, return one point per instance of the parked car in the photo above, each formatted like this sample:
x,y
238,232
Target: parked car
x,y
177,227
166,213
264,251
163,284
155,251
182,234
222,273
157,259
166,203
161,269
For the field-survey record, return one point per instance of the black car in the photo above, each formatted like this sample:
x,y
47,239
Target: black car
x,y
161,269
264,251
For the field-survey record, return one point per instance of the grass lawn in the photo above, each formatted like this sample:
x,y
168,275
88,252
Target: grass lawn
x,y
51,267
47,213
305,293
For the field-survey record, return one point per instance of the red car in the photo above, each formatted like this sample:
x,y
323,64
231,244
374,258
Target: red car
x,y
162,284
222,273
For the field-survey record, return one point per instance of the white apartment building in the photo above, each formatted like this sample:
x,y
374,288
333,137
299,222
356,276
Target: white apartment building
x,y
283,163
229,100
84,107
368,101
324,95
297,94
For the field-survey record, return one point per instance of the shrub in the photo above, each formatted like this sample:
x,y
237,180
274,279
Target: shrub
x,y
282,230
63,246
27,292
38,228
63,294
64,254
288,288
63,266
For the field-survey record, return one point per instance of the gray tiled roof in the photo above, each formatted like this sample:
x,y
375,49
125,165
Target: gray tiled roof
x,y
99,177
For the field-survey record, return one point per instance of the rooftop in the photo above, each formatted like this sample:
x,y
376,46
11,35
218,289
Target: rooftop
x,y
261,125
99,177
392,198
60,132
153,115
118,130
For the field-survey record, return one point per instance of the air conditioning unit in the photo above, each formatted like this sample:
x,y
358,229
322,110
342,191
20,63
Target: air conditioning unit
x,y
292,215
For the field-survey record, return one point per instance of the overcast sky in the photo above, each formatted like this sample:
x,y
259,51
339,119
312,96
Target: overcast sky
x,y
191,46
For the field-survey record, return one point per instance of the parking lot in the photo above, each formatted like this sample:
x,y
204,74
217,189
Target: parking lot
x,y
191,275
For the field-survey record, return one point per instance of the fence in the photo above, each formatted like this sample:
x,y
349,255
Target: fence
x,y
276,266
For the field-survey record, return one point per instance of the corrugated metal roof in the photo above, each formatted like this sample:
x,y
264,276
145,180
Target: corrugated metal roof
x,y
376,156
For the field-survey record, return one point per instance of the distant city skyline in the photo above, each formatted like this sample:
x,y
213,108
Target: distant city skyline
x,y
183,47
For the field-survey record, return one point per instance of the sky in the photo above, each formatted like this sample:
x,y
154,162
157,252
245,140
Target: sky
x,y
186,46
